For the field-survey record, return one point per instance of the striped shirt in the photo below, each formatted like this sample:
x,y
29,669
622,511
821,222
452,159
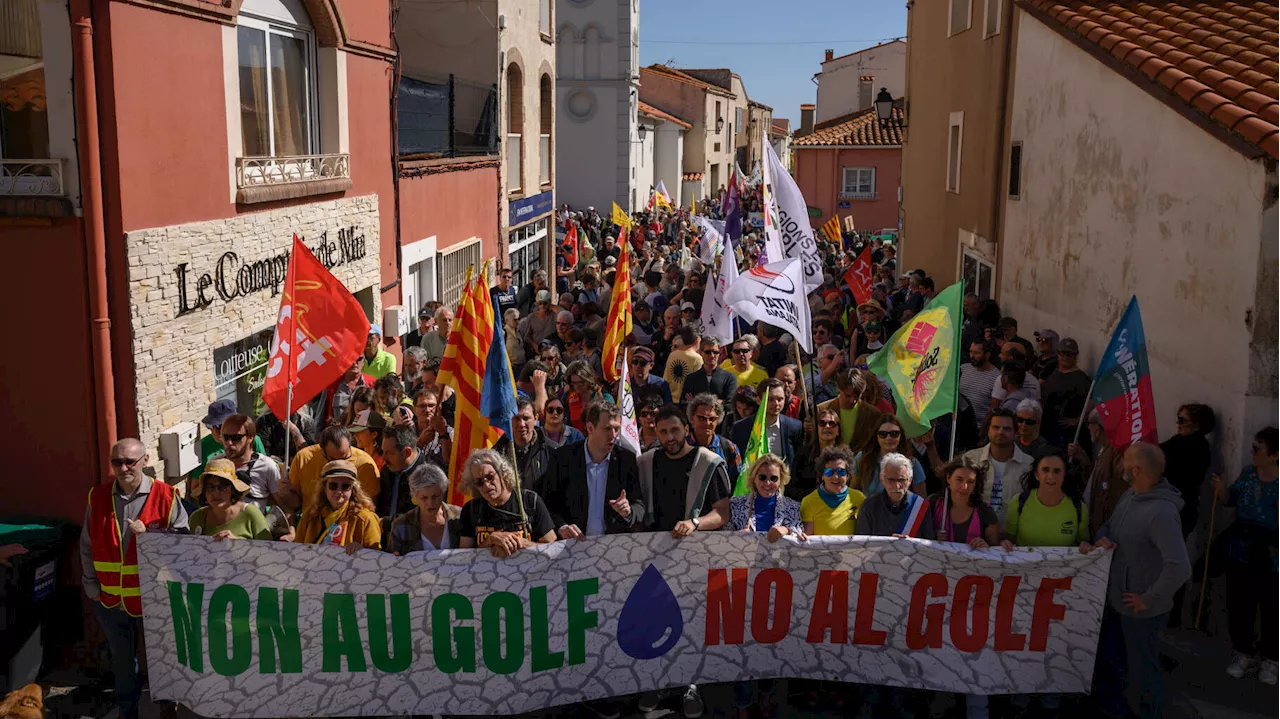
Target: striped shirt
x,y
976,386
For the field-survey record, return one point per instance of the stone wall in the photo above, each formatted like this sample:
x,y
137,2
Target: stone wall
x,y
197,287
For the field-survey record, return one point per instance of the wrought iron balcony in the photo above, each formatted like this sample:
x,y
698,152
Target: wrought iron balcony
x,y
846,195
32,178
288,170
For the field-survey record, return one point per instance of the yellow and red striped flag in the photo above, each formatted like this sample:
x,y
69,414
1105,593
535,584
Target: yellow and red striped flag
x,y
832,229
449,363
619,324
471,428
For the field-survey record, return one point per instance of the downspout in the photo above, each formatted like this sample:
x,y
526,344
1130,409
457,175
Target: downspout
x,y
998,195
95,240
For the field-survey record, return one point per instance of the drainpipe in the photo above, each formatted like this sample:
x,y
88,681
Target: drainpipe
x,y
95,239
998,196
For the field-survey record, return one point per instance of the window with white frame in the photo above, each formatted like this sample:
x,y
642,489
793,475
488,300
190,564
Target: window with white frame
x,y
858,183
27,165
277,71
978,273
955,142
544,17
991,17
961,16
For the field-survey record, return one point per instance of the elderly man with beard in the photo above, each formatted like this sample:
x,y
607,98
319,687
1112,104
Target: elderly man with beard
x,y
895,512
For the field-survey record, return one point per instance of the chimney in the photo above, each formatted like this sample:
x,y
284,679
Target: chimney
x,y
806,119
829,54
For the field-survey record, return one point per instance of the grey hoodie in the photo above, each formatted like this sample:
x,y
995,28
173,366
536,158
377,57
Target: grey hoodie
x,y
1151,555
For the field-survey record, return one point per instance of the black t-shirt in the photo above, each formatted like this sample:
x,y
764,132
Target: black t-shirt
x,y
670,481
1064,395
772,356
480,519
506,300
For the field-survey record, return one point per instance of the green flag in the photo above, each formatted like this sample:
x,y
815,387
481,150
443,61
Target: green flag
x,y
921,362
757,447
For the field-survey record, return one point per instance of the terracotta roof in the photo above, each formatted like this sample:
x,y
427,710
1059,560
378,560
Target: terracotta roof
x,y
1215,63
855,52
859,128
647,109
866,78
679,76
691,177
781,127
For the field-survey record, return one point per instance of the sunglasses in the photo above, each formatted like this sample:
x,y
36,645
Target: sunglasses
x,y
828,423
555,410
216,487
126,462
1027,421
837,472
770,478
233,437
742,352
338,486
889,434
1183,420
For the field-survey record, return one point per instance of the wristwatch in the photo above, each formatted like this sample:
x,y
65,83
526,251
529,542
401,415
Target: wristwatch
x,y
695,523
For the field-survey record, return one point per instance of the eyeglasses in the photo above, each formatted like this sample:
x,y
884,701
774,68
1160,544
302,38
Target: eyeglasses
x,y
487,479
124,462
555,410
835,472
828,423
1183,420
770,478
742,351
233,437
338,486
889,433
1027,421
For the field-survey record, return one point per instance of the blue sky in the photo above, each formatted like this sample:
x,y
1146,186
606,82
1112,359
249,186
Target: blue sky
x,y
776,47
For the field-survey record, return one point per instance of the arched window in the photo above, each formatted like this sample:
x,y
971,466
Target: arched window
x,y
515,128
546,155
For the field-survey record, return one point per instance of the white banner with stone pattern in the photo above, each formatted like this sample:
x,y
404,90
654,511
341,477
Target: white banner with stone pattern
x,y
263,629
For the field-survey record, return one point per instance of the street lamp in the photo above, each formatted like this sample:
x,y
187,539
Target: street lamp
x,y
641,130
719,125
884,107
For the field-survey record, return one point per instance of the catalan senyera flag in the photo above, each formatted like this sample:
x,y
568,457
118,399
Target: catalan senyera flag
x,y
449,363
619,324
472,428
832,229
620,218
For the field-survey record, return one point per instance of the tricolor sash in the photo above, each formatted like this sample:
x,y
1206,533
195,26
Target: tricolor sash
x,y
913,516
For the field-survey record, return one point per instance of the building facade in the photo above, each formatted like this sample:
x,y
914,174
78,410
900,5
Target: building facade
x,y
1098,207
850,167
598,149
958,70
662,153
848,84
707,147
180,148
780,137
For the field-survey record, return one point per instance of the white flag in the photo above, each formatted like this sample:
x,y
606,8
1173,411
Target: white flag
x,y
787,208
629,437
772,251
717,319
775,294
712,238
662,190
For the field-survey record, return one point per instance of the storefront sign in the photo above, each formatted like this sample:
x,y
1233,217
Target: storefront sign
x,y
529,208
270,629
240,368
231,277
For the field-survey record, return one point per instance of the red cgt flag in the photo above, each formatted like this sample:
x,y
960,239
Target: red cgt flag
x,y
328,331
858,277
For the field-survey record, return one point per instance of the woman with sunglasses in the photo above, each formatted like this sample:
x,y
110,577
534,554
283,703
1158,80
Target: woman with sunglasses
x,y
555,425
433,524
1027,418
226,515
340,512
584,388
889,438
832,508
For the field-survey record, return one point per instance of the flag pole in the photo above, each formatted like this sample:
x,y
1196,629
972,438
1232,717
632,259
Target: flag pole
x,y
1087,399
292,337
804,396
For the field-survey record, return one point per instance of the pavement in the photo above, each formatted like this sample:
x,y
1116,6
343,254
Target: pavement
x,y
1197,687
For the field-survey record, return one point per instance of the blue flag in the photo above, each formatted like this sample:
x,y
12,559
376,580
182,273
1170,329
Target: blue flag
x,y
498,392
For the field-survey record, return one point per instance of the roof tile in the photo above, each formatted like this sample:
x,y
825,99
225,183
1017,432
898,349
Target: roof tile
x,y
859,128
1218,58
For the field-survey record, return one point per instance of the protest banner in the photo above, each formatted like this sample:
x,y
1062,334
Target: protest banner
x,y
774,293
270,629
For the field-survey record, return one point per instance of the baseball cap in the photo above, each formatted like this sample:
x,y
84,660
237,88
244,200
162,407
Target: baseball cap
x,y
610,261
689,306
223,468
424,314
219,410
642,353
1069,346
375,330
543,296
1047,334
367,419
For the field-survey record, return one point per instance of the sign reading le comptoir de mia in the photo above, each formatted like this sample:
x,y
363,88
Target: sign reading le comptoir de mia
x,y
231,278
460,632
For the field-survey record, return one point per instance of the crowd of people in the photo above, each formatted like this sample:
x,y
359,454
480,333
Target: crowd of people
x,y
369,458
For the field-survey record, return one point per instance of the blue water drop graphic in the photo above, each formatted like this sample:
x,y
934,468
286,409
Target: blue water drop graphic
x,y
650,615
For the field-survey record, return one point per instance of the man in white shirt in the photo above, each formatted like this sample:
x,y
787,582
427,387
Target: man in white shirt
x,y
1004,463
978,379
1013,352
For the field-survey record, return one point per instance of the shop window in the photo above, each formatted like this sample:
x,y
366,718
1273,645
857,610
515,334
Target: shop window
x,y
524,250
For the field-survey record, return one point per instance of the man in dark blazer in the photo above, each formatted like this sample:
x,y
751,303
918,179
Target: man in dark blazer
x,y
592,486
714,379
786,435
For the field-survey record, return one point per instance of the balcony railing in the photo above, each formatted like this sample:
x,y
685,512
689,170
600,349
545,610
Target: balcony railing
x,y
515,171
32,178
446,116
265,171
847,195
544,159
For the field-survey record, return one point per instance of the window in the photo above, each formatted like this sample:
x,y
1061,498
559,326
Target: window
x,y
515,125
453,266
544,19
859,183
991,17
961,16
524,250
27,166
545,156
955,137
277,88
978,274
1015,171
737,119
716,148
